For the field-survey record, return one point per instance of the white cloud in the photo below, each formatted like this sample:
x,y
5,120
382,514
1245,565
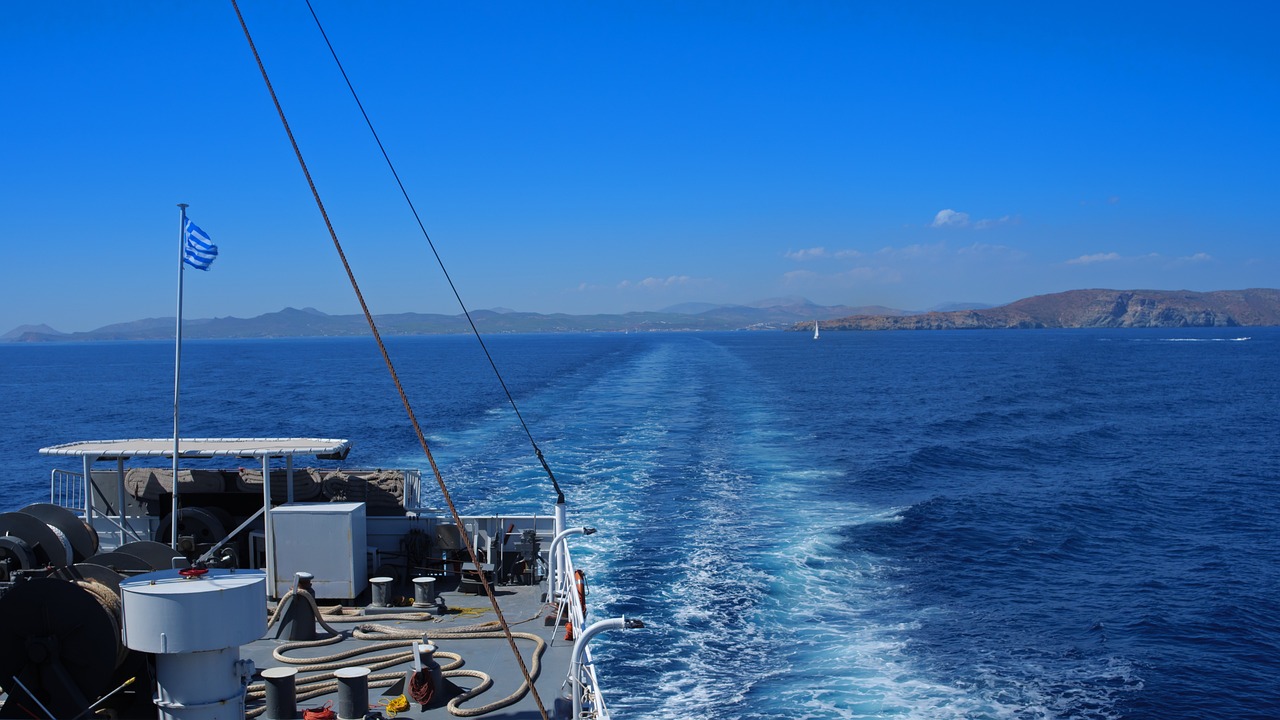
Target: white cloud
x,y
913,252
937,264
651,283
1095,258
1152,259
798,276
955,219
853,277
990,223
950,218
987,249
807,253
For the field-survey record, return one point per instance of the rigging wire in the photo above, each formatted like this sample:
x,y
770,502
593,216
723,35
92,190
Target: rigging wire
x,y
439,261
404,399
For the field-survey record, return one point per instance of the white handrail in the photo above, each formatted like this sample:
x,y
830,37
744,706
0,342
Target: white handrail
x,y
577,664
66,489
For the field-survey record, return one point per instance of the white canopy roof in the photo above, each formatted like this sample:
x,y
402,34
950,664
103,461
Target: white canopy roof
x,y
202,448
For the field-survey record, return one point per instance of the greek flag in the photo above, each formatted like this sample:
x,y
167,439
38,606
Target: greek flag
x,y
198,252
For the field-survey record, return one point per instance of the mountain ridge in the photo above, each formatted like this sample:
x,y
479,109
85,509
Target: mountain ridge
x,y
309,322
1092,308
1069,309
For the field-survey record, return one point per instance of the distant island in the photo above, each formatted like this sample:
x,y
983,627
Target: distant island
x,y
1072,309
1090,309
772,314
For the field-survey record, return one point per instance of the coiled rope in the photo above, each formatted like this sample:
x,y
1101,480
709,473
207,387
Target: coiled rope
x,y
390,638
324,712
110,603
335,614
396,705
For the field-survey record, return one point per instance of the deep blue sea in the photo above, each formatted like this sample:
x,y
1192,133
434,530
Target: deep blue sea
x,y
1005,524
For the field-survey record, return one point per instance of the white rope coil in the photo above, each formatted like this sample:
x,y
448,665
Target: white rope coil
x,y
388,638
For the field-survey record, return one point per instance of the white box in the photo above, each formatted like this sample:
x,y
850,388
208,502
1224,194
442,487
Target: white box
x,y
325,539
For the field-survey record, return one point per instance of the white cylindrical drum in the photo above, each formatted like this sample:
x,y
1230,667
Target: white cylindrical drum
x,y
166,613
195,625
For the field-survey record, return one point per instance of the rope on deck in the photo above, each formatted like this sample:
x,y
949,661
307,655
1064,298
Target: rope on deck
x,y
388,638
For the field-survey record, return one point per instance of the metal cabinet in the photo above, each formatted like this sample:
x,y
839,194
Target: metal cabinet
x,y
325,539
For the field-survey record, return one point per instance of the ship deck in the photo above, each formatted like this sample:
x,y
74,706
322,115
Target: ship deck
x,y
390,667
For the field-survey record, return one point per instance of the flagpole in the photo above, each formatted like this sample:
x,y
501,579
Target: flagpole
x,y
177,373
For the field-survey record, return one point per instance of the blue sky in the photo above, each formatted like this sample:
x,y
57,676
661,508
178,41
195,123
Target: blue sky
x,y
606,157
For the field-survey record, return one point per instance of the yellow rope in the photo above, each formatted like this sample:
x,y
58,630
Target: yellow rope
x,y
396,705
470,612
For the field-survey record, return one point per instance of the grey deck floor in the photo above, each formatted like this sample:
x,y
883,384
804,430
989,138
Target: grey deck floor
x,y
524,612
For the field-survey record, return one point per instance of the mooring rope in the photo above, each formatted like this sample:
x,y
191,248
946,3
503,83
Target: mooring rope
x,y
114,609
439,261
390,638
404,399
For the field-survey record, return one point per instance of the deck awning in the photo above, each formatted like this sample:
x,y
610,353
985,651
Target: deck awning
x,y
324,449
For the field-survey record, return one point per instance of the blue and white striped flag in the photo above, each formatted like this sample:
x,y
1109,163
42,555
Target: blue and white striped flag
x,y
198,252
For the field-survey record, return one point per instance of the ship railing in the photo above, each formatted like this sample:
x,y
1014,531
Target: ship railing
x,y
568,589
483,529
66,490
578,616
412,489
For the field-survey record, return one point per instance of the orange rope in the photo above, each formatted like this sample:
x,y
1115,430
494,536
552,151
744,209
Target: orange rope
x,y
324,712
404,399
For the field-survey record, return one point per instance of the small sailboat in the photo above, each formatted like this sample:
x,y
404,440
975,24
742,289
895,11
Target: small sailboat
x,y
815,329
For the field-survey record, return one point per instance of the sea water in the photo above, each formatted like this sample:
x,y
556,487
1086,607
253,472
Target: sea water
x,y
972,524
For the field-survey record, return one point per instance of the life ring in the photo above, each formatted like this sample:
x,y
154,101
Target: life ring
x,y
580,581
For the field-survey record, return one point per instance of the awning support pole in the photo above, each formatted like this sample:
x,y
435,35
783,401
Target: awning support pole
x,y
266,526
120,492
88,485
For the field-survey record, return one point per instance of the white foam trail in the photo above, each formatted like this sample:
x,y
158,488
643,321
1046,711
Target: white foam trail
x,y
756,607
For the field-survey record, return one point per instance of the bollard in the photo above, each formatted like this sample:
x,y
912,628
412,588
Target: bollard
x,y
381,588
424,592
297,619
282,693
353,692
302,581
425,682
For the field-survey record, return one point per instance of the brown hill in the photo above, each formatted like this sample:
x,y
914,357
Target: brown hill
x,y
1093,308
